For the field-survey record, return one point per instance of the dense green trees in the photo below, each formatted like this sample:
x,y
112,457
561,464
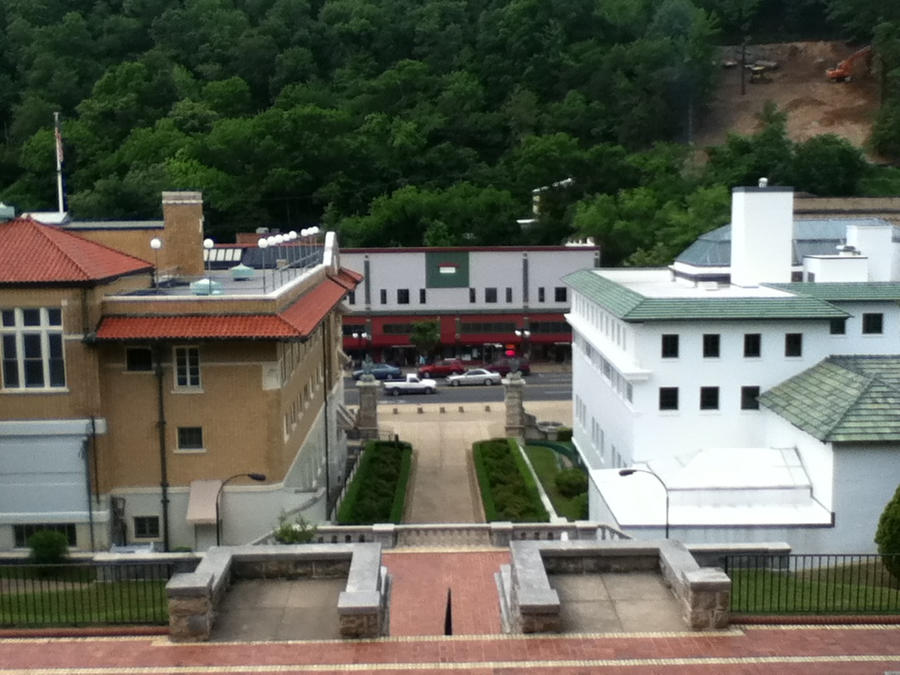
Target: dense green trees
x,y
404,122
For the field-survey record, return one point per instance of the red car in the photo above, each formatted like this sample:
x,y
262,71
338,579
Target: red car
x,y
442,368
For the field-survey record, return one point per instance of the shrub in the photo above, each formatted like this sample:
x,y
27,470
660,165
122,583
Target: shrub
x,y
377,493
887,536
298,532
571,482
48,547
564,435
507,487
582,502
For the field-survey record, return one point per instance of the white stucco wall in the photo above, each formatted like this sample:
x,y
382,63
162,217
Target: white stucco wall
x,y
865,478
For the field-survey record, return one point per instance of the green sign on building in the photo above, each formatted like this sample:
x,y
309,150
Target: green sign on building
x,y
447,269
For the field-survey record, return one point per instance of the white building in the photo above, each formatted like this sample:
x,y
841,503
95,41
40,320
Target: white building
x,y
669,365
487,300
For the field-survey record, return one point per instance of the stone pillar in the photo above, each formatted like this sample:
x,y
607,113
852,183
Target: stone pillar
x,y
190,607
708,599
514,387
367,420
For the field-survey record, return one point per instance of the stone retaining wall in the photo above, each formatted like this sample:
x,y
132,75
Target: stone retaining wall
x,y
531,605
363,606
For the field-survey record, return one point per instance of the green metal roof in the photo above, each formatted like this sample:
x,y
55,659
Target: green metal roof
x,y
842,399
869,290
629,305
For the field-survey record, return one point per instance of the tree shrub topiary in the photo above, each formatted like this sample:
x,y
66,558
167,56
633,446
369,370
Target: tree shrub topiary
x,y
571,482
887,536
564,435
582,502
48,547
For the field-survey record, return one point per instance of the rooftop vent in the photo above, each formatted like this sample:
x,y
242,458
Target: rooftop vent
x,y
846,250
763,182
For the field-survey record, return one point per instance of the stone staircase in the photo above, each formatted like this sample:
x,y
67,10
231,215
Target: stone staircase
x,y
474,535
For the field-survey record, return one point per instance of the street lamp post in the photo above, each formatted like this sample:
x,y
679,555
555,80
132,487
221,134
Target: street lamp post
x,y
628,472
208,245
156,244
253,476
263,244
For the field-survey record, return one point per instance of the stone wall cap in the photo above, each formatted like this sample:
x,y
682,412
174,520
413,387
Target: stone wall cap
x,y
190,584
359,602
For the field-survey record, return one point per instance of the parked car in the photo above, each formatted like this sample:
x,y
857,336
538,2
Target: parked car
x,y
380,371
505,366
442,368
413,384
475,376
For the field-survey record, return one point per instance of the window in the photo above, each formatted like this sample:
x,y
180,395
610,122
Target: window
x,y
550,327
509,294
21,533
469,327
540,294
190,438
422,296
395,329
670,346
490,295
351,298
138,359
838,326
32,348
383,296
872,324
471,295
559,294
187,367
711,345
402,296
752,345
749,398
668,398
793,344
709,398
146,527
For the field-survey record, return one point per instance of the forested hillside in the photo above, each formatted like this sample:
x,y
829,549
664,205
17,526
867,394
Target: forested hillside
x,y
405,122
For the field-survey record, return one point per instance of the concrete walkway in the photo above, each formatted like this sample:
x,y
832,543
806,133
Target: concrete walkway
x,y
444,488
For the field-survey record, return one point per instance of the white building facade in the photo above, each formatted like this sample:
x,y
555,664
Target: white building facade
x,y
669,366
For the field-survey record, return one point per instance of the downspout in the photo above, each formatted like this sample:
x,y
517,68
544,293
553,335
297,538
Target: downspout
x,y
89,450
90,445
326,374
161,427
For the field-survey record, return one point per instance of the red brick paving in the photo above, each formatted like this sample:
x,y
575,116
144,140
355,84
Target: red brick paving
x,y
814,649
419,591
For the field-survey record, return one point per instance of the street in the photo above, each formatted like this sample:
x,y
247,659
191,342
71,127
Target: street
x,y
540,387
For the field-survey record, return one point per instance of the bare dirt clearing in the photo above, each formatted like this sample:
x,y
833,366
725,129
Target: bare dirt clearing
x,y
799,87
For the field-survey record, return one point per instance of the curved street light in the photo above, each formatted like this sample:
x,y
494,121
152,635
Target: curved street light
x,y
253,476
628,472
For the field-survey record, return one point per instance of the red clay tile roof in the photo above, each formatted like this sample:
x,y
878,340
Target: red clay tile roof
x,y
347,278
32,253
294,322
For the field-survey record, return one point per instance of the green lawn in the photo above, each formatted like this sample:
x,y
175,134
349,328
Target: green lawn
x,y
546,466
826,591
64,603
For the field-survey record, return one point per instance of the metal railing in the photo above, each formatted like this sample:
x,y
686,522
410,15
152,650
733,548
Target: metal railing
x,y
84,594
813,584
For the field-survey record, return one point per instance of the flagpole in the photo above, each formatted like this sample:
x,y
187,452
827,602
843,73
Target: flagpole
x,y
59,159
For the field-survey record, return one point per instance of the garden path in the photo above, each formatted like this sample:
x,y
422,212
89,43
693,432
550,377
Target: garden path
x,y
444,488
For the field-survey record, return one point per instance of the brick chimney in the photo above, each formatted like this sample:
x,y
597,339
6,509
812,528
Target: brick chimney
x,y
182,245
762,233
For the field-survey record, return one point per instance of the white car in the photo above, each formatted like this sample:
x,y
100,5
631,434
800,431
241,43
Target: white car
x,y
474,376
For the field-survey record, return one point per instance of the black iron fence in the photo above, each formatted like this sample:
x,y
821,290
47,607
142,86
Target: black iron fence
x,y
84,594
814,584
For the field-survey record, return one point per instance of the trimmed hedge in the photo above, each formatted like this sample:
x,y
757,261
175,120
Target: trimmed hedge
x,y
508,490
378,491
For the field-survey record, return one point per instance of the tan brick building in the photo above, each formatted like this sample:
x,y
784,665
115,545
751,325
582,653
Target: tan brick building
x,y
128,397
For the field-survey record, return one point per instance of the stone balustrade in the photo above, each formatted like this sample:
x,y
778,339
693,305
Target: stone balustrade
x,y
498,534
362,606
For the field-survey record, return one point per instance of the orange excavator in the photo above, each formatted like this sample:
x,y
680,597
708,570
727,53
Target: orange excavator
x,y
843,72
